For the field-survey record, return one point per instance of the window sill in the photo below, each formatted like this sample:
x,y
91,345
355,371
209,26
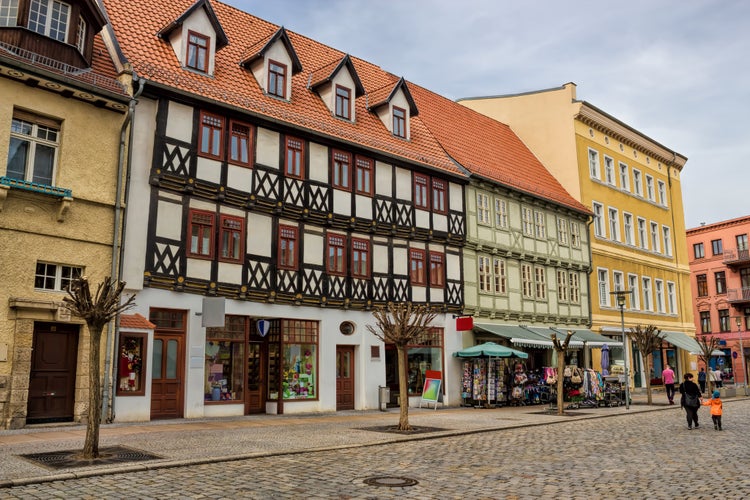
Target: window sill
x,y
65,195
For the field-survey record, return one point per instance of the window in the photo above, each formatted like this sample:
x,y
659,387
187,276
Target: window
x,y
540,225
667,235
540,277
197,56
562,231
211,132
341,169
288,250
702,283
343,102
277,79
492,279
498,268
603,280
618,281
717,247
627,220
49,18
363,176
8,12
437,269
671,298
80,35
575,287
528,221
637,187
32,155
360,258
609,170
483,209
614,225
201,231
439,189
698,250
335,263
231,238
399,122
575,235
659,290
426,353
527,280
650,187
724,320
705,322
417,267
598,220
741,242
662,193
647,305
655,246
501,213
721,282
594,164
624,180
294,159
635,292
642,233
293,345
225,360
421,199
562,285
56,277
239,143
485,274
132,352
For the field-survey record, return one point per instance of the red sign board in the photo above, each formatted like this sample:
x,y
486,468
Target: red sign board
x,y
464,323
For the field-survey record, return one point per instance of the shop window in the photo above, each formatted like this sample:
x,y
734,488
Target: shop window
x,y
293,355
426,353
132,352
224,365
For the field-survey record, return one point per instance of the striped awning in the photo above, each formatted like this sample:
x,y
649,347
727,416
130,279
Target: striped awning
x,y
517,335
592,339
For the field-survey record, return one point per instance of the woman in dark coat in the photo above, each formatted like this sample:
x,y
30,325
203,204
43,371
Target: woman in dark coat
x,y
690,399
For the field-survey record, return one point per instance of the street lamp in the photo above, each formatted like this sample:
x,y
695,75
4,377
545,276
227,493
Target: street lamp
x,y
742,355
620,297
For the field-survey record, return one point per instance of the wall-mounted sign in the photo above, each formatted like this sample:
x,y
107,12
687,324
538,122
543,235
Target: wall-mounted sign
x,y
263,325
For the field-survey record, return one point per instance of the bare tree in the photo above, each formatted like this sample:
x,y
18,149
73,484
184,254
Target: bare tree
x,y
402,324
96,311
561,348
647,339
707,343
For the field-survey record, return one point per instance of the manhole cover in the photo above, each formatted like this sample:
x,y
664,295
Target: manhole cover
x,y
72,458
391,481
417,429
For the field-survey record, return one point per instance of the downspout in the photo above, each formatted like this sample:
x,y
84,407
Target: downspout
x,y
680,365
113,328
590,270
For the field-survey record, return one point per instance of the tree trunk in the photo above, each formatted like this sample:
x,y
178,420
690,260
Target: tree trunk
x,y
403,390
91,445
560,371
647,376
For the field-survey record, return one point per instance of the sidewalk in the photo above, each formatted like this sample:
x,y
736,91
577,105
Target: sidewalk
x,y
197,441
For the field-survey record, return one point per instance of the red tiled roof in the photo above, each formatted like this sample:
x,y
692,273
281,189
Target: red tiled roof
x,y
135,321
480,144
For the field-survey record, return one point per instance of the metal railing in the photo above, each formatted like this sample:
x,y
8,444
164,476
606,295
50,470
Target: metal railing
x,y
739,294
36,187
736,256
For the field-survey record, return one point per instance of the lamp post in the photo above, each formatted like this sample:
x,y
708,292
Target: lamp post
x,y
620,296
742,356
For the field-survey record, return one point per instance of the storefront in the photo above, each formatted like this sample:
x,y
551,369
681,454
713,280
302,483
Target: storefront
x,y
425,354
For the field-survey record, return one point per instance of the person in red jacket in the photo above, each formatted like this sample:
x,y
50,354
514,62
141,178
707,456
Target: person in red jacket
x,y
717,409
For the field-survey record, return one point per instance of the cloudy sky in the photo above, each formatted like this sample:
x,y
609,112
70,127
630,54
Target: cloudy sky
x,y
676,70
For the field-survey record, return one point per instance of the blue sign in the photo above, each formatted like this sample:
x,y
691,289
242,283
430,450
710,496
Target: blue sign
x,y
263,325
720,361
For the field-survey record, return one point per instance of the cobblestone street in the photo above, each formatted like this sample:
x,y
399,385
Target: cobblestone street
x,y
638,455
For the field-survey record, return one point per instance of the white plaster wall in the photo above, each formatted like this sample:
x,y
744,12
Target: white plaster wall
x,y
453,268
422,218
342,202
180,122
169,221
230,273
363,206
199,268
383,178
240,178
380,258
208,170
267,148
314,248
318,162
259,234
455,196
404,184
439,222
400,261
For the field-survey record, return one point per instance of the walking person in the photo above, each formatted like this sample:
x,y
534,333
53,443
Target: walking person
x,y
667,376
717,409
702,380
690,399
718,378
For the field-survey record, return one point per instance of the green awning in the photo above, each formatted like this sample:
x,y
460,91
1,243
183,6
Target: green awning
x,y
490,349
547,333
682,341
517,335
592,339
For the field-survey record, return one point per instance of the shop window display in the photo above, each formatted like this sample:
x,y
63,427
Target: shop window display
x,y
293,347
224,366
130,365
426,353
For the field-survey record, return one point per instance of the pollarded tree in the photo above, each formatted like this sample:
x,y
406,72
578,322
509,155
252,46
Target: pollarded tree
x,y
401,324
647,339
96,311
708,344
561,348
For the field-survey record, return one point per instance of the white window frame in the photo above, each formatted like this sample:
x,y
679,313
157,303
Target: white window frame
x,y
501,213
650,188
667,236
484,273
618,281
70,272
35,127
647,294
45,9
635,292
671,298
527,281
642,233
659,295
637,183
662,187
598,210
614,224
575,287
527,216
562,285
562,231
499,276
627,229
655,243
593,156
81,35
575,234
540,225
10,19
540,282
624,177
602,279
483,209
609,170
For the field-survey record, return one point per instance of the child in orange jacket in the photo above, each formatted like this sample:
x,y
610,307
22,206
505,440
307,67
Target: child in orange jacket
x,y
716,409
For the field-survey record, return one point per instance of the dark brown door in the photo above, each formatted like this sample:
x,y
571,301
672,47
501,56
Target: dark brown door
x,y
53,373
255,401
344,377
167,356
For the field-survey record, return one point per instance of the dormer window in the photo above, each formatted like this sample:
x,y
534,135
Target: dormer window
x,y
197,52
399,122
277,79
81,36
343,102
8,12
49,18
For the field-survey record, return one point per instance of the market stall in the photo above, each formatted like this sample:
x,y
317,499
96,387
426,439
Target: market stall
x,y
484,380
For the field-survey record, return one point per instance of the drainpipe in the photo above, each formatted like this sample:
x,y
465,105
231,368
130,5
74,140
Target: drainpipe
x,y
113,328
591,270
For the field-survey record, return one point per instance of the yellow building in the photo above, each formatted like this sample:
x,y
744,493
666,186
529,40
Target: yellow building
x,y
632,185
61,115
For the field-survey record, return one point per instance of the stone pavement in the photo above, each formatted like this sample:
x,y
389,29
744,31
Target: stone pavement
x,y
226,444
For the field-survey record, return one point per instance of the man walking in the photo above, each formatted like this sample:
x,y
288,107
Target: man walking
x,y
668,377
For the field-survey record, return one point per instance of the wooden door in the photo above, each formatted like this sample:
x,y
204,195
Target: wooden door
x,y
53,373
255,400
344,377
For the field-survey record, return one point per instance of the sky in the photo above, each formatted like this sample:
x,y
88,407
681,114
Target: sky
x,y
678,71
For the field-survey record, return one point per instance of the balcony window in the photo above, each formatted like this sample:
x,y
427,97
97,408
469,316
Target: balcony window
x,y
34,142
49,18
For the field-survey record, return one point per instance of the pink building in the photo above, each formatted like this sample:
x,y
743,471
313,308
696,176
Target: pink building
x,y
720,284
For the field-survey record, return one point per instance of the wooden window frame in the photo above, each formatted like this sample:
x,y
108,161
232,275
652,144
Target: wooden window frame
x,y
399,122
224,229
418,275
276,77
341,170
336,262
288,234
212,238
421,191
343,105
249,144
439,199
198,49
361,247
295,171
437,269
210,128
363,175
